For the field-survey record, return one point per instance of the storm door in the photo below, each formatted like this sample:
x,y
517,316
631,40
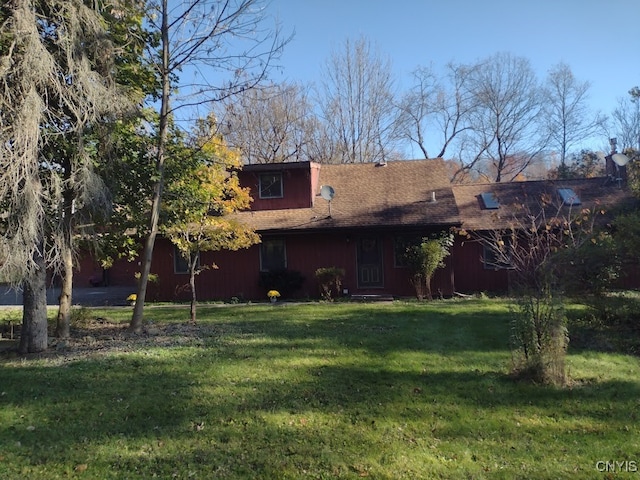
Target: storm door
x,y
369,262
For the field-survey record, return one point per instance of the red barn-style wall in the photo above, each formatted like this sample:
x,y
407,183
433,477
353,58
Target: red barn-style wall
x,y
471,274
238,272
298,182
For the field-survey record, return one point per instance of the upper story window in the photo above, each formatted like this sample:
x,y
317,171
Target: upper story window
x,y
271,185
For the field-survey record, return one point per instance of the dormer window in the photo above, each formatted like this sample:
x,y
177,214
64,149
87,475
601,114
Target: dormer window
x,y
489,201
271,185
569,197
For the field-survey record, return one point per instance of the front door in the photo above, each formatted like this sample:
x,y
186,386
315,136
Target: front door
x,y
370,262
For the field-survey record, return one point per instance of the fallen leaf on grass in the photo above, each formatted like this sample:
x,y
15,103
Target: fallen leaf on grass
x,y
199,426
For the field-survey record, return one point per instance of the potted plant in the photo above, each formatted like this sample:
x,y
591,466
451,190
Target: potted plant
x,y
132,299
273,295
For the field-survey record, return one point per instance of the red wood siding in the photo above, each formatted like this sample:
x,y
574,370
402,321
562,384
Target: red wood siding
x,y
234,276
238,272
88,271
470,274
296,189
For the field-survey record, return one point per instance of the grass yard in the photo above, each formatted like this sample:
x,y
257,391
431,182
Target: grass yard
x,y
381,391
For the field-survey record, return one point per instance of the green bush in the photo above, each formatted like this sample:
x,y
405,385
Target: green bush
x,y
424,258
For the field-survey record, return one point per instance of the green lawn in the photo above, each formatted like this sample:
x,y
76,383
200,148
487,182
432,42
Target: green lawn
x,y
381,391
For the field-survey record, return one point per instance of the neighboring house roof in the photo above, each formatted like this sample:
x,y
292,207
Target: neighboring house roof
x,y
475,214
396,194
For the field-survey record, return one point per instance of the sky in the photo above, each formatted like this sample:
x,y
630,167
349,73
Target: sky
x,y
598,39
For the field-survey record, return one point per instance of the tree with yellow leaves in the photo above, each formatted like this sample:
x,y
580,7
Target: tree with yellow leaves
x,y
199,205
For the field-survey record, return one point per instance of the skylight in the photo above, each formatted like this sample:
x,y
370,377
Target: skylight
x,y
569,197
490,201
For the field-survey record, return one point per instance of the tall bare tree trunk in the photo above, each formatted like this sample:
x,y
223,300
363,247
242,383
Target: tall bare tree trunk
x,y
66,289
147,254
33,336
200,34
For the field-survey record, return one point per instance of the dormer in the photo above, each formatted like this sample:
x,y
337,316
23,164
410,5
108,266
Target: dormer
x,y
281,186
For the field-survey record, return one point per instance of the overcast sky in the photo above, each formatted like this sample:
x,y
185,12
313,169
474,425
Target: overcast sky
x,y
598,39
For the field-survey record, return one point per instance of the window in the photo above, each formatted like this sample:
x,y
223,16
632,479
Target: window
x,y
180,264
273,254
400,245
569,197
271,185
490,201
497,257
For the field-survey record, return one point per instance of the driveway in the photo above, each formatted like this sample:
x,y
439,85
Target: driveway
x,y
86,297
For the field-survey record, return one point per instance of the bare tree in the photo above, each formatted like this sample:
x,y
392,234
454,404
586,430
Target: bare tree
x,y
566,112
54,83
319,146
200,40
358,103
430,110
506,122
268,124
626,121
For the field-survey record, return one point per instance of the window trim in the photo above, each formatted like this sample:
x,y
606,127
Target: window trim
x,y
273,175
400,244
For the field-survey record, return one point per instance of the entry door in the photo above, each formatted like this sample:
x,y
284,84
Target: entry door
x,y
370,262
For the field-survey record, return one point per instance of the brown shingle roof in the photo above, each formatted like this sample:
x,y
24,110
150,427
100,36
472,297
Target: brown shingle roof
x,y
593,192
370,195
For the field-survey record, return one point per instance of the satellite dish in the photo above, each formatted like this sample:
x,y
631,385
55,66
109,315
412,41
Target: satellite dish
x,y
620,159
327,192
601,156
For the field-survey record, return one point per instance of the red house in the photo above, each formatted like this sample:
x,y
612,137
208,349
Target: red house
x,y
354,217
311,216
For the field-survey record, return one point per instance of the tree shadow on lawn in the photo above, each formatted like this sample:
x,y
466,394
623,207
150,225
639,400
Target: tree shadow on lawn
x,y
379,331
53,409
139,396
352,389
132,399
